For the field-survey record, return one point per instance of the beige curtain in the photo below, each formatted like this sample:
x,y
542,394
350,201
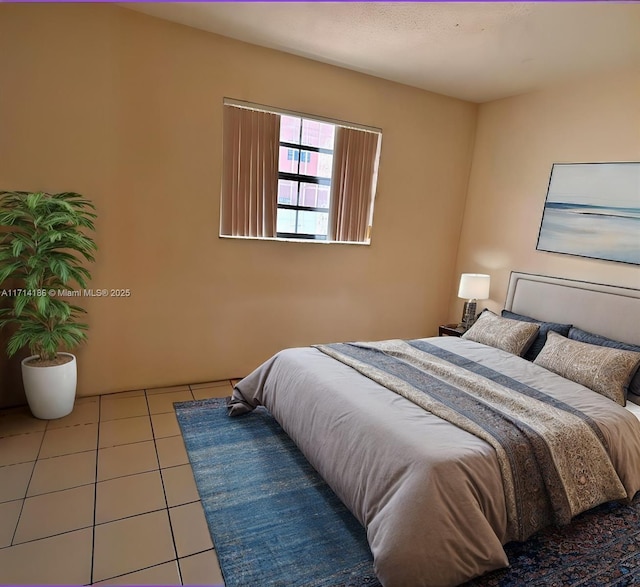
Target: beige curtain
x,y
354,159
250,172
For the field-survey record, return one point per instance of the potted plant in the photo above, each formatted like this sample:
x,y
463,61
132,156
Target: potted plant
x,y
43,249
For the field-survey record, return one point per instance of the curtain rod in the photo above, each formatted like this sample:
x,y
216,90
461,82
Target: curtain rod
x,y
263,108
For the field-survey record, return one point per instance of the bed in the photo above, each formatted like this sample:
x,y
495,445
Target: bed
x,y
437,496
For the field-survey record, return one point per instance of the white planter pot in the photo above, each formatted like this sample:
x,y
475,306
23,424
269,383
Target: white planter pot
x,y
50,391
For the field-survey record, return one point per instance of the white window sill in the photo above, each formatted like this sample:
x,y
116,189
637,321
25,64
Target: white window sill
x,y
295,240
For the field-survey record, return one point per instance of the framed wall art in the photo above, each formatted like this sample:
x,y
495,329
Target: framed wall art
x,y
593,210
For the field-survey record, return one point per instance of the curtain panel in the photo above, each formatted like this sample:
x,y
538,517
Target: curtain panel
x,y
354,160
250,172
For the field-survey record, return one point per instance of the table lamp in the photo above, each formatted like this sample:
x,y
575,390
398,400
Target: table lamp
x,y
473,286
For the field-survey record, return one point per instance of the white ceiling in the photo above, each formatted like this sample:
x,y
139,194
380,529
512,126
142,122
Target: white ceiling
x,y
473,51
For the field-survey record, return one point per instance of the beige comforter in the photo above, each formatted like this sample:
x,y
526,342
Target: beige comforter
x,y
430,495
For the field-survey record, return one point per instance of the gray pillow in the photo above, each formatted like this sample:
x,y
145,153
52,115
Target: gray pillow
x,y
513,336
590,338
541,338
606,371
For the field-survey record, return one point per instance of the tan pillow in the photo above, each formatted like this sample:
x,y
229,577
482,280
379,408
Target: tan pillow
x,y
605,370
509,335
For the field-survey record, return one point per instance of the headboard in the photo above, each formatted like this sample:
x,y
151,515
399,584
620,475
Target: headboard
x,y
607,310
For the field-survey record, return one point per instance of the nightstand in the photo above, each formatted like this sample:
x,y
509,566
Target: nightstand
x,y
451,330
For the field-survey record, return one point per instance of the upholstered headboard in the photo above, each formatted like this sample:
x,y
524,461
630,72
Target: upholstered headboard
x,y
607,310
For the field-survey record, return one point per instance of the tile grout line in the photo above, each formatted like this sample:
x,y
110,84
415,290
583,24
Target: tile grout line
x,y
164,491
153,393
95,498
51,457
160,509
173,537
60,490
143,569
46,537
24,499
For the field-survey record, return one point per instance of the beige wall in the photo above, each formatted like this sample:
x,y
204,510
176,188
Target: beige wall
x,y
517,141
126,109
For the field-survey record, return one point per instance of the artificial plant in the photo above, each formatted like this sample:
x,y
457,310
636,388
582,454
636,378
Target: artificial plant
x,y
44,247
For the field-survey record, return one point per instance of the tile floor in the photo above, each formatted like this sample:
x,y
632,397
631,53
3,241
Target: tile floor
x,y
104,496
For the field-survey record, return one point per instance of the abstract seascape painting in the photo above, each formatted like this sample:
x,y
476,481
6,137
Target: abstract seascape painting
x,y
593,210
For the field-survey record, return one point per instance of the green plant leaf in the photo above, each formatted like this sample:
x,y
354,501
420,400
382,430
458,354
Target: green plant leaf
x,y
8,270
44,245
19,305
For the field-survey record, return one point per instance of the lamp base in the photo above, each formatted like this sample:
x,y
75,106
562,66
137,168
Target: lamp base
x,y
468,314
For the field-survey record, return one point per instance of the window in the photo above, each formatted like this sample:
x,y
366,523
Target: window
x,y
304,178
294,176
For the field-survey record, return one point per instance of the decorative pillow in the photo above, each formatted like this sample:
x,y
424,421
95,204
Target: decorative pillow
x,y
590,338
513,336
541,338
606,371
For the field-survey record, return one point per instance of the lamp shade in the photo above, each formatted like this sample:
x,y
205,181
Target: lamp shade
x,y
474,286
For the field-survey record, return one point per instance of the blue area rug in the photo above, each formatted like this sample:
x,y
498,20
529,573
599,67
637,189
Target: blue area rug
x,y
274,522
272,519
